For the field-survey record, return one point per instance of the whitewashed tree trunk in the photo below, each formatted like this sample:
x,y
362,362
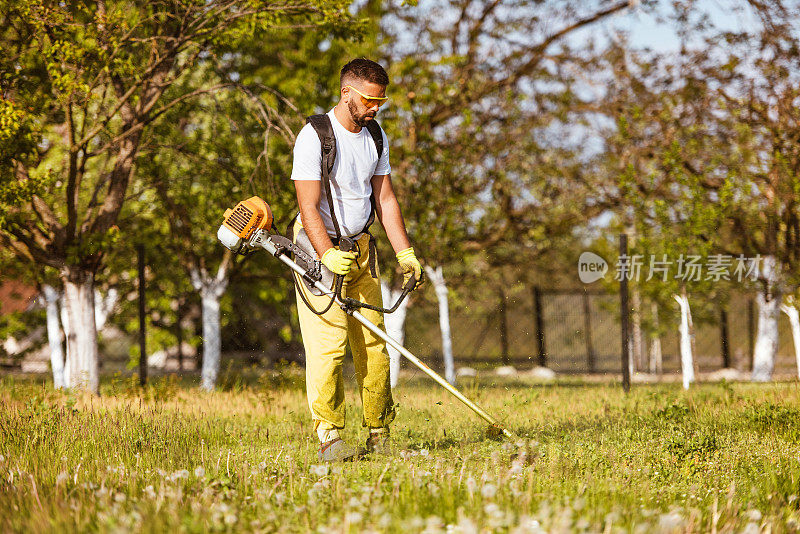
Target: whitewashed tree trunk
x,y
656,358
51,298
437,279
769,309
687,360
637,362
65,328
82,371
103,306
211,289
794,319
395,327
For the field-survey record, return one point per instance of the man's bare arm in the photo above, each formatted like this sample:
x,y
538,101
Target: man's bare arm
x,y
389,212
308,195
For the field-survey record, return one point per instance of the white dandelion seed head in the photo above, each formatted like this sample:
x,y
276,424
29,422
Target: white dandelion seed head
x,y
319,470
199,471
353,517
488,491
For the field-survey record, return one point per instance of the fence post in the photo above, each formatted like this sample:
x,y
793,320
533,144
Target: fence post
x,y
504,356
587,327
726,352
142,339
624,311
537,304
751,343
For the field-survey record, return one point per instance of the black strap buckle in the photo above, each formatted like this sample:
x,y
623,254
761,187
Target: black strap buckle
x,y
347,244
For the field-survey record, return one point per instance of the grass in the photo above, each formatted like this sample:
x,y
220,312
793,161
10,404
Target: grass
x,y
721,458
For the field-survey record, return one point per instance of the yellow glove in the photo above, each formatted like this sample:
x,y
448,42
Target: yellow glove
x,y
337,261
410,265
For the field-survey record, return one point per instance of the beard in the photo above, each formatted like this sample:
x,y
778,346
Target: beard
x,y
361,119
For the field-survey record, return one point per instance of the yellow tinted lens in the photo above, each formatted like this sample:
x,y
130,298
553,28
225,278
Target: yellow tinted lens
x,y
369,102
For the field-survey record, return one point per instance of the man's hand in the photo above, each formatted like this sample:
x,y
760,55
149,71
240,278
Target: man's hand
x,y
337,261
410,265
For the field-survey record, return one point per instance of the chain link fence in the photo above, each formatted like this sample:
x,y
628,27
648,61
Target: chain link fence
x,y
579,332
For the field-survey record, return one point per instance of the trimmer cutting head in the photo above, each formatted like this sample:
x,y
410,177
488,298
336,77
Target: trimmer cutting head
x,y
242,221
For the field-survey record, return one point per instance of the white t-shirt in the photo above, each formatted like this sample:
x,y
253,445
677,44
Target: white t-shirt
x,y
356,163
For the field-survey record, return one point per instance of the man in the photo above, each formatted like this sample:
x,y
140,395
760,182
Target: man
x,y
358,174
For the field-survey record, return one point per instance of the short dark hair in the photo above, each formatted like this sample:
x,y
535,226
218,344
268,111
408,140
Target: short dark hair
x,y
364,69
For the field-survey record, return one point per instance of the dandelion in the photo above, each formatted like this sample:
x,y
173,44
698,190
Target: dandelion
x,y
119,497
231,519
491,509
424,453
319,470
488,491
150,492
754,515
177,475
433,524
199,471
669,522
263,466
353,518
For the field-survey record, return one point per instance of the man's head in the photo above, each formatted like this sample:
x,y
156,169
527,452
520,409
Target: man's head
x,y
362,86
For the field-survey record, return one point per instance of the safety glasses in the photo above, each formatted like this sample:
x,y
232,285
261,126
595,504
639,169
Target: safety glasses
x,y
370,101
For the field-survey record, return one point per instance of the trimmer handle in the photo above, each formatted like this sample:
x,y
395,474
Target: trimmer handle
x,y
408,287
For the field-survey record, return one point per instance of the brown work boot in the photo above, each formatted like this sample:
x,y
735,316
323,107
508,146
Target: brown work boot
x,y
336,450
378,442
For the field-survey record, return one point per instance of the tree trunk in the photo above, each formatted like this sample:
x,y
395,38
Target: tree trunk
x,y
103,306
51,297
395,327
81,329
437,279
211,289
687,360
794,319
768,302
656,359
65,374
636,321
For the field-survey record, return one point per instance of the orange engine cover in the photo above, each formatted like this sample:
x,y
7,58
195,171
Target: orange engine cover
x,y
248,216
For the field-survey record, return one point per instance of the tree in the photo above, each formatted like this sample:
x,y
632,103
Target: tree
x,y
477,100
81,85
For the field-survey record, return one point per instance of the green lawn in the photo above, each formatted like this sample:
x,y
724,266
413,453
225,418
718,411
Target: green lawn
x,y
722,457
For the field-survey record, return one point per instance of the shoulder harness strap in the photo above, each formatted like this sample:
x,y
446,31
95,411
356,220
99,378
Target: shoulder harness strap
x,y
322,125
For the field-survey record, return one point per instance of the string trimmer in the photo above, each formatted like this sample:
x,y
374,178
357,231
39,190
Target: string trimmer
x,y
249,226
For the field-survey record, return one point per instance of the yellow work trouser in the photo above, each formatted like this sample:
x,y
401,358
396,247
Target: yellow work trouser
x,y
324,338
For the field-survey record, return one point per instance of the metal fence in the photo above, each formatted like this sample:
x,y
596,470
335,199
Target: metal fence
x,y
579,332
